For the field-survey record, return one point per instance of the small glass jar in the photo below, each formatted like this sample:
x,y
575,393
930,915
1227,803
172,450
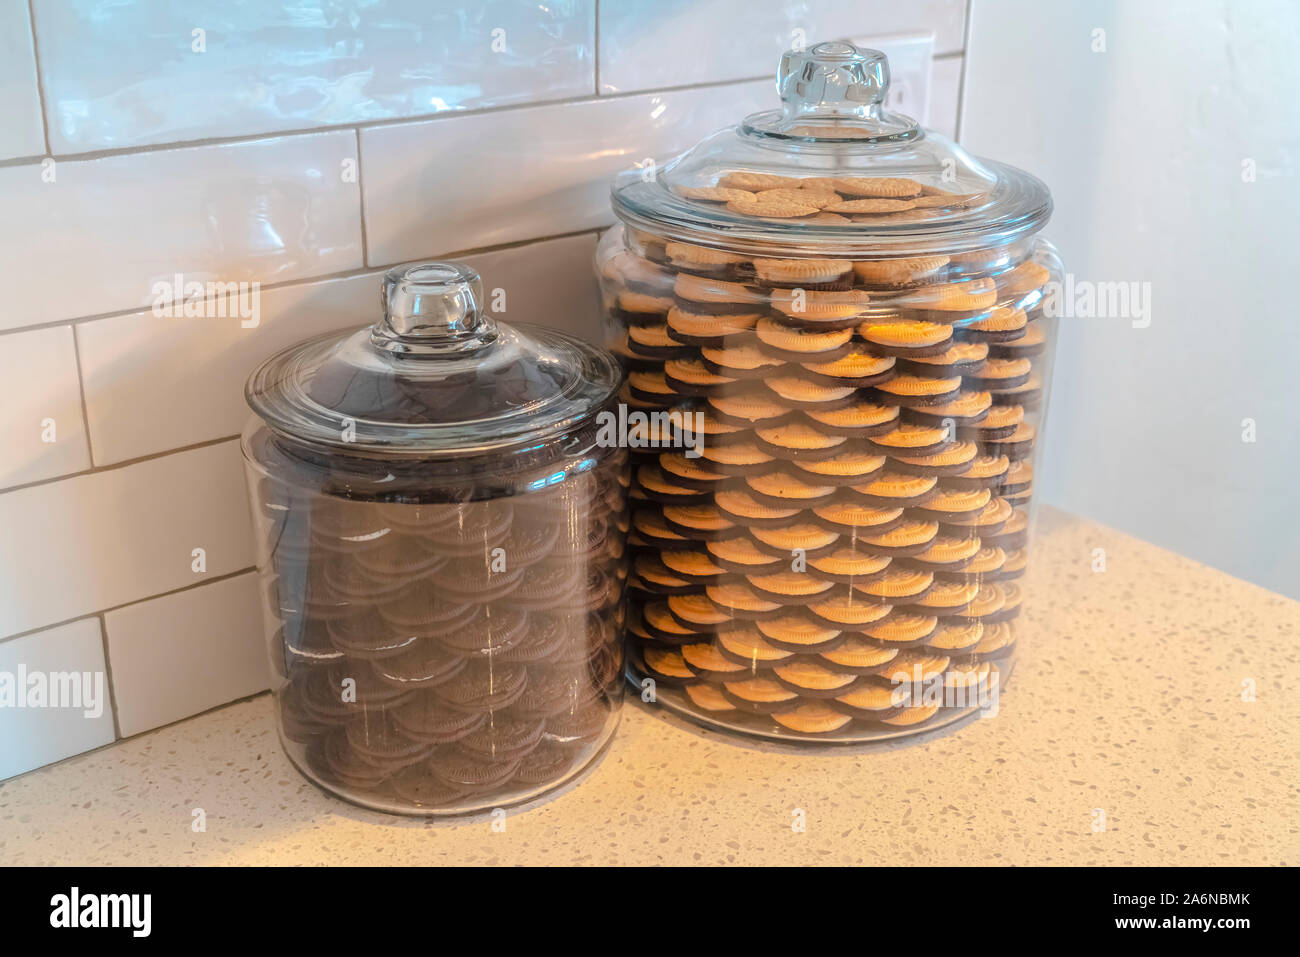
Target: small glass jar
x,y
834,323
441,544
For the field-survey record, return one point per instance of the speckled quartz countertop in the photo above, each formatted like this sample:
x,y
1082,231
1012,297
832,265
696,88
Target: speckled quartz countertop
x,y
1127,698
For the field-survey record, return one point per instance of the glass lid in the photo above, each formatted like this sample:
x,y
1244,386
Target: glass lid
x,y
436,374
832,171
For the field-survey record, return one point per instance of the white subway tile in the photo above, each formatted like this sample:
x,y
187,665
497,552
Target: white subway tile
x,y
21,132
89,236
41,430
103,539
34,736
945,96
180,654
646,46
552,283
463,182
127,73
154,384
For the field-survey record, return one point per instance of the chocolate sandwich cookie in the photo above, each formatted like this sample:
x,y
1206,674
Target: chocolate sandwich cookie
x,y
364,634
742,361
704,296
983,471
999,374
578,726
745,645
955,505
548,762
861,418
959,358
914,391
798,633
871,701
651,387
945,600
665,665
697,613
685,473
852,518
694,565
705,661
744,509
759,695
399,557
483,685
955,637
702,329
801,393
807,539
750,410
812,717
738,459
471,771
905,338
691,377
1016,446
945,553
858,655
1032,343
895,490
346,525
847,612
303,643
493,630
1013,535
1014,566
818,309
791,588
798,441
899,585
650,527
803,273
1029,395
659,488
659,624
420,609
901,629
841,469
951,302
952,459
545,638
742,602
786,490
797,345
698,522
740,554
899,273
702,261
653,576
708,698
425,663
1000,422
504,738
653,342
911,438
998,641
808,678
425,718
857,368
1001,324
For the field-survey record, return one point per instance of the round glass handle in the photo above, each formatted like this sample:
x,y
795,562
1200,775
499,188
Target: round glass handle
x,y
433,308
834,78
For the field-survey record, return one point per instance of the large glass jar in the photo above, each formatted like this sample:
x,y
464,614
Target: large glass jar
x,y
441,547
834,329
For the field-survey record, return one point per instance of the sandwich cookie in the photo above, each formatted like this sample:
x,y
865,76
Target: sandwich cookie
x,y
952,302
749,410
801,393
911,438
1032,343
759,695
985,565
715,297
706,330
738,459
790,588
860,419
691,377
1029,395
808,678
678,473
812,717
799,634
809,540
744,509
847,612
1013,535
708,698
906,538
959,358
899,273
998,641
952,638
999,374
702,261
819,309
744,645
999,422
791,344
707,662
697,613
785,490
694,566
857,655
852,517
850,565
1001,324
741,601
798,441
739,554
858,369
658,488
698,522
987,521
653,342
896,490
906,339
842,469
743,361
945,599
659,624
1016,446
950,460
946,553
898,585
803,273
965,410
1012,567
911,391
983,471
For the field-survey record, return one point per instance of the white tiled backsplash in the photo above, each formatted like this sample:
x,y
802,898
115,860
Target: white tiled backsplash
x,y
305,146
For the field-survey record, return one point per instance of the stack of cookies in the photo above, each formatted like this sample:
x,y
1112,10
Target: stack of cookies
x,y
443,651
829,507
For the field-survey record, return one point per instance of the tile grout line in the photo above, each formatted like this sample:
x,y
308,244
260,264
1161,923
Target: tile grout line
x,y
40,81
362,270
108,676
81,389
213,580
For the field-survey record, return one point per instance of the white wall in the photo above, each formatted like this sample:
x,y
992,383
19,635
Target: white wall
x,y
1143,146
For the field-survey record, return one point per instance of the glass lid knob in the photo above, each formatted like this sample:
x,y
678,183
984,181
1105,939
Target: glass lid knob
x,y
433,308
834,78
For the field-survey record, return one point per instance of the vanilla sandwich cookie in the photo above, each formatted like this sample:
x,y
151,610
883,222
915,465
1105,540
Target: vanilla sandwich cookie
x,y
812,718
699,329
958,358
804,273
741,602
744,509
895,490
740,554
791,344
798,633
809,678
841,469
759,695
905,338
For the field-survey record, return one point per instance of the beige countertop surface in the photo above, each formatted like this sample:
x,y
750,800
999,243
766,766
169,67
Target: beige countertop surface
x,y
1127,699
